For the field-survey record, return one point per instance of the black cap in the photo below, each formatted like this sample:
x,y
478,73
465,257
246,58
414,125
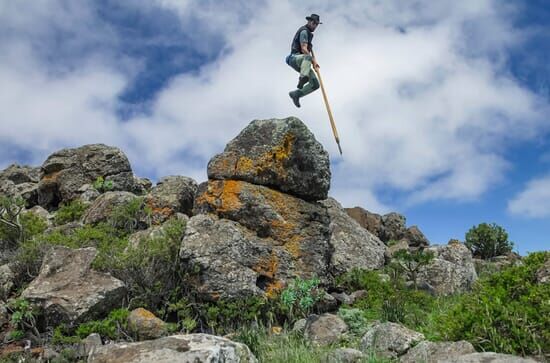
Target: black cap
x,y
314,17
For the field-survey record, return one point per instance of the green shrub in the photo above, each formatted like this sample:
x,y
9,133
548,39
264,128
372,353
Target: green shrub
x,y
23,317
297,300
488,240
224,316
16,225
507,312
70,212
114,327
102,185
410,262
131,216
355,319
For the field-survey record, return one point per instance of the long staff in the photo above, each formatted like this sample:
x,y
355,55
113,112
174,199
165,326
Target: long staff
x,y
332,124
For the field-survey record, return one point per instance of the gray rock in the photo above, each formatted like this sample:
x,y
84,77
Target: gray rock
x,y
69,291
327,303
42,213
394,227
89,345
20,174
398,246
26,191
146,325
487,357
434,352
344,355
389,340
543,273
88,193
100,210
175,349
7,278
342,298
282,154
171,195
232,261
356,295
67,170
451,271
353,246
324,329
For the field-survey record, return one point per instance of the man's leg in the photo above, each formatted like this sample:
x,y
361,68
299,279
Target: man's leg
x,y
312,85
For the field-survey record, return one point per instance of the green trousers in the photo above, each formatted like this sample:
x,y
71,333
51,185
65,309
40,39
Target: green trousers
x,y
302,63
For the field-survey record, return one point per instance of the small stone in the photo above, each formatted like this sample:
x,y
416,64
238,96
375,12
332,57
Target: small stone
x,y
344,355
146,325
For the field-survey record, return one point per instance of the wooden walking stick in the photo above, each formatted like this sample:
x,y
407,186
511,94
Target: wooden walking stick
x,y
332,124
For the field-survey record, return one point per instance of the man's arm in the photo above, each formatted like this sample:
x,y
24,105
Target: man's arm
x,y
304,50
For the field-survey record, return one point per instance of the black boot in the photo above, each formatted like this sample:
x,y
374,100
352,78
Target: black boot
x,y
302,81
295,98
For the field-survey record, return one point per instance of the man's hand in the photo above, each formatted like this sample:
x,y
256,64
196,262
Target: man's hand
x,y
315,64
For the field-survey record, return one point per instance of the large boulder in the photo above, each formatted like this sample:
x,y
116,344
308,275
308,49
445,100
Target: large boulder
x,y
146,325
234,262
451,271
434,352
324,329
281,154
69,291
67,170
102,208
353,246
389,340
175,349
171,195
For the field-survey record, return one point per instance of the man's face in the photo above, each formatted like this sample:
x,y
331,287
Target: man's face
x,y
312,25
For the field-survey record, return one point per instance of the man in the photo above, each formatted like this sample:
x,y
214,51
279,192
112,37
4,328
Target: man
x,y
301,59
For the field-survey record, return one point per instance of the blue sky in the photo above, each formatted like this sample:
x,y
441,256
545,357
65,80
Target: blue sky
x,y
443,107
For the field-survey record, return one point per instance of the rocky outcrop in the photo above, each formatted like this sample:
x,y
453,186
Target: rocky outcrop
x,y
102,208
388,227
281,154
434,352
352,245
171,195
389,340
176,348
324,329
145,325
451,271
67,170
69,291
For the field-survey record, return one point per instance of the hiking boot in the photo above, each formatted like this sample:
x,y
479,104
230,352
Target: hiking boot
x,y
295,98
302,81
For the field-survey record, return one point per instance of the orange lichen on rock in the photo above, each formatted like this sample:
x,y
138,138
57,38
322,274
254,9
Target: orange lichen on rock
x,y
143,313
267,266
51,178
273,288
223,195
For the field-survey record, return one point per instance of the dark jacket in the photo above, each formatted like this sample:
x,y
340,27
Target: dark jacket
x,y
295,47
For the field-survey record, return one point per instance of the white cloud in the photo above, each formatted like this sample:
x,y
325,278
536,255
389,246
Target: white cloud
x,y
428,112
534,200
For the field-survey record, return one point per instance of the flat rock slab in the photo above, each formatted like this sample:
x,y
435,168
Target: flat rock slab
x,y
279,153
69,291
191,348
389,340
324,329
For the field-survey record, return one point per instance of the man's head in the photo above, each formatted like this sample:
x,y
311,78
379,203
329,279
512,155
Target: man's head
x,y
313,21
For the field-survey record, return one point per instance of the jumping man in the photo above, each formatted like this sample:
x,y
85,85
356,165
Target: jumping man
x,y
301,58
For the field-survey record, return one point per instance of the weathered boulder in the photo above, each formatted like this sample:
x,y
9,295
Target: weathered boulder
x,y
66,171
344,355
26,191
451,271
352,245
146,325
42,213
389,340
175,349
171,195
234,262
394,227
282,154
487,357
543,273
324,329
69,291
101,208
20,174
434,352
